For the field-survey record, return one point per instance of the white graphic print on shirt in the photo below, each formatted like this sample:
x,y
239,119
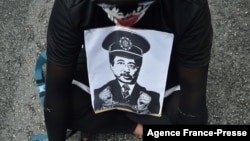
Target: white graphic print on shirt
x,y
125,19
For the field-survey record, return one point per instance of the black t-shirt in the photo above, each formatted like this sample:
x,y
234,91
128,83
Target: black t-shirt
x,y
188,20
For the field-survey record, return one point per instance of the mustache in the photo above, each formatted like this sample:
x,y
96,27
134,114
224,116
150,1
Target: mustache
x,y
126,75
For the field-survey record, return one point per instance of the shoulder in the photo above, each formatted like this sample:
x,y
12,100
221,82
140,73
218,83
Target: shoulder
x,y
72,3
68,7
180,14
112,83
180,3
198,3
151,93
73,6
191,7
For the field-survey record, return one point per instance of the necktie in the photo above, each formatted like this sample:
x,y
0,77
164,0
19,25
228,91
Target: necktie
x,y
125,93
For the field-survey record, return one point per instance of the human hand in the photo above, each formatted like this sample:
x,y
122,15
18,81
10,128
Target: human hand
x,y
106,96
143,101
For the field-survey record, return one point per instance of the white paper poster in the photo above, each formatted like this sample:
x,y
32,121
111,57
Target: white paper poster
x,y
128,68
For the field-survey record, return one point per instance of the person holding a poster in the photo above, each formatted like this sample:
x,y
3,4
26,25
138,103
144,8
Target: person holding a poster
x,y
176,66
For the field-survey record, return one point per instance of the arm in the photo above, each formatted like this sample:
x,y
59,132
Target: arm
x,y
64,44
56,108
193,57
192,104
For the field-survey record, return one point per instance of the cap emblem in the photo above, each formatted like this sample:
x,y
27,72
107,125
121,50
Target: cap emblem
x,y
125,43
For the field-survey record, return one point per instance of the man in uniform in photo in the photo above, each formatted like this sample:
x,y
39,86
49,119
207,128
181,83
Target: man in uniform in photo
x,y
126,51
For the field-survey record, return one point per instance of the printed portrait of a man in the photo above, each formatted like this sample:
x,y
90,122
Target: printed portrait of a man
x,y
126,51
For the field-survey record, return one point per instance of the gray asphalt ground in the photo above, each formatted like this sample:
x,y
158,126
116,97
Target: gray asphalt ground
x,y
23,25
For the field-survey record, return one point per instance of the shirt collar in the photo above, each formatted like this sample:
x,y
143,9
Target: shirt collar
x,y
124,16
